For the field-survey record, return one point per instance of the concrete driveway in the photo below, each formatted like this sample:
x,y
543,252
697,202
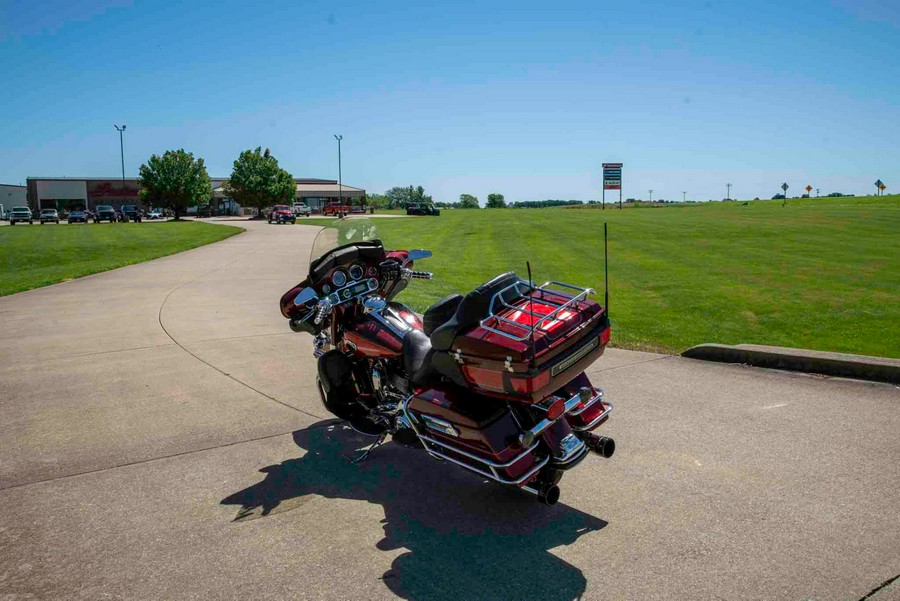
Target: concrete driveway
x,y
161,439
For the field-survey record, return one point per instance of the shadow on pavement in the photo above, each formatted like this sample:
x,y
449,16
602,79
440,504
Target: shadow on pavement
x,y
466,539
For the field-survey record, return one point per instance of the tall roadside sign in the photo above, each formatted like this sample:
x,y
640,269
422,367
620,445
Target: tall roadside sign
x,y
784,188
612,180
879,188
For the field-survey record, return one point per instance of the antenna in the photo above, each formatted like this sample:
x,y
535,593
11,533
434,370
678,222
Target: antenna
x,y
605,270
531,309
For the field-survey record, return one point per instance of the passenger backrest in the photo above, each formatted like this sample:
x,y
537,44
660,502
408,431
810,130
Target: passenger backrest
x,y
473,308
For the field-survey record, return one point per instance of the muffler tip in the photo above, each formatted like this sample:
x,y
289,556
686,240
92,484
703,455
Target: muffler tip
x,y
605,447
549,495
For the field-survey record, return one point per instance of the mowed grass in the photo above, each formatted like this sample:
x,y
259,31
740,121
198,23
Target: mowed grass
x,y
32,256
817,274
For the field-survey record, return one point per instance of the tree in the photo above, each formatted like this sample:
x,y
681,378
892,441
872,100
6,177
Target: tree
x,y
399,197
174,180
257,180
467,201
495,201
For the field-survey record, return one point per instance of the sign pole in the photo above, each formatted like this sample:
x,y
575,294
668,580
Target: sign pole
x,y
603,206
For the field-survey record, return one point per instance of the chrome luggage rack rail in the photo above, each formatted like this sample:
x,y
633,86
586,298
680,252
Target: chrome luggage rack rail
x,y
500,304
489,468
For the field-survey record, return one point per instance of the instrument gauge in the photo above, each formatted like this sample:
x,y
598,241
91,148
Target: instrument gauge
x,y
356,272
339,278
326,289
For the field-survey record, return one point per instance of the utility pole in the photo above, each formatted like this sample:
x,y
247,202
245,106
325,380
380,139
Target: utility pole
x,y
817,192
340,180
122,151
728,196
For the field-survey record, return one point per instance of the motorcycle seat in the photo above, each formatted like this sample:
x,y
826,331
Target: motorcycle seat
x,y
417,355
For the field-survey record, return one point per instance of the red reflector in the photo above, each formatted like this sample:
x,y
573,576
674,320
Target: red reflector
x,y
556,409
604,336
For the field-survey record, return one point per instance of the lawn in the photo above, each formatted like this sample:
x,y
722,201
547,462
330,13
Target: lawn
x,y
32,256
821,273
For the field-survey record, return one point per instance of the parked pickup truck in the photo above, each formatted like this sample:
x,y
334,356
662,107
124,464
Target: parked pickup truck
x,y
20,215
336,208
300,209
105,213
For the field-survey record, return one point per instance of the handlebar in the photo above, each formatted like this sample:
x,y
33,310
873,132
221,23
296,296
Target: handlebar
x,y
324,308
422,275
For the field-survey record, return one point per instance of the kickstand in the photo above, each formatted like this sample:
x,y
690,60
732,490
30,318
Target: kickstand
x,y
362,457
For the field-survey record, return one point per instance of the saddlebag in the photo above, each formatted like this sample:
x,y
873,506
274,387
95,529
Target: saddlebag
x,y
476,432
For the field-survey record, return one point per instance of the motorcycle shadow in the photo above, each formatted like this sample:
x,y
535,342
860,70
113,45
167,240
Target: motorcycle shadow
x,y
466,539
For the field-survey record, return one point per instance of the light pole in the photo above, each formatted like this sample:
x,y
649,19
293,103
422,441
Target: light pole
x,y
728,196
121,131
340,180
683,196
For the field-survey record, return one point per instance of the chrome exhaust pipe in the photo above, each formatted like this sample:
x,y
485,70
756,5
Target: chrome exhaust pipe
x,y
548,495
602,445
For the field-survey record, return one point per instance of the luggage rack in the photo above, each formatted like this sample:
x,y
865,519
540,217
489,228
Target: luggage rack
x,y
494,309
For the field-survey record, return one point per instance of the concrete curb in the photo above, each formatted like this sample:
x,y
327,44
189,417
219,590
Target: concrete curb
x,y
862,367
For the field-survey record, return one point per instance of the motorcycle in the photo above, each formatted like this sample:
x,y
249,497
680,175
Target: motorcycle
x,y
492,381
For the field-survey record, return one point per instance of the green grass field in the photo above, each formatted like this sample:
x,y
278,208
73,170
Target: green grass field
x,y
32,256
821,273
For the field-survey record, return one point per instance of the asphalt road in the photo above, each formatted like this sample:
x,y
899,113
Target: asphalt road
x,y
161,439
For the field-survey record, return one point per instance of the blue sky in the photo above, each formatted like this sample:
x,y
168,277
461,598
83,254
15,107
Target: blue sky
x,y
526,99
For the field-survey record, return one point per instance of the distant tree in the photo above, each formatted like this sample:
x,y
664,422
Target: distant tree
x,y
175,180
399,197
257,180
495,201
540,204
467,201
379,201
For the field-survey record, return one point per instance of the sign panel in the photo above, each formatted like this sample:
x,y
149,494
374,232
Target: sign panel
x,y
784,186
808,188
878,184
612,176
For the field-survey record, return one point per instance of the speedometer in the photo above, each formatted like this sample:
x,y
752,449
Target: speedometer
x,y
339,278
356,272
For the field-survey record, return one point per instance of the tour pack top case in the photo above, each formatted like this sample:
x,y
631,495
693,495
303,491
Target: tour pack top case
x,y
509,338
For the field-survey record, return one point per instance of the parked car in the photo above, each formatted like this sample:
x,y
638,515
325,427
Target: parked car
x,y
20,215
282,214
422,209
155,214
105,213
300,208
336,209
78,216
204,211
130,213
49,216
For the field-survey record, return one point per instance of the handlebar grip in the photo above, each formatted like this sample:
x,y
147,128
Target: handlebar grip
x,y
422,275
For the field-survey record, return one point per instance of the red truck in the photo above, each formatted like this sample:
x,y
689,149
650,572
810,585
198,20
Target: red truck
x,y
336,208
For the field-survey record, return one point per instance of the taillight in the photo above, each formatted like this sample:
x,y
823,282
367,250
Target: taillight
x,y
604,336
556,409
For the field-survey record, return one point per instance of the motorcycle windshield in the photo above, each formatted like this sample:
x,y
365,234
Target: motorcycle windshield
x,y
345,231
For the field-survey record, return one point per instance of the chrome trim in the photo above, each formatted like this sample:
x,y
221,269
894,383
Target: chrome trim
x,y
491,465
493,313
440,425
569,410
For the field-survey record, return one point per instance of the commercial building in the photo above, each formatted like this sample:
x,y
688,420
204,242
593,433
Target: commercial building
x,y
88,192
11,196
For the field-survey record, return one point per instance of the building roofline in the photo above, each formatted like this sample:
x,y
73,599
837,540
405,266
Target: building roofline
x,y
13,186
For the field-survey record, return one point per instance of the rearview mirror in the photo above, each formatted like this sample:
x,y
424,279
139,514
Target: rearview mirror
x,y
305,296
415,255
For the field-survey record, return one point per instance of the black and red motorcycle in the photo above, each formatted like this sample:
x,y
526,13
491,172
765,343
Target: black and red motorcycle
x,y
492,381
